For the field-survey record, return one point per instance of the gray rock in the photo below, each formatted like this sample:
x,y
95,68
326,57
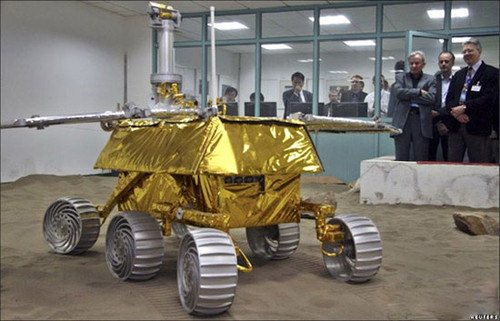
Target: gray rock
x,y
476,223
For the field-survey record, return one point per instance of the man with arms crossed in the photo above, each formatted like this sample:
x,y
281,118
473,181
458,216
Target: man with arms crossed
x,y
415,92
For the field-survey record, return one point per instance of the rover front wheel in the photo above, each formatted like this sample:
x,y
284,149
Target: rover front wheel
x,y
134,246
274,242
71,225
207,272
359,254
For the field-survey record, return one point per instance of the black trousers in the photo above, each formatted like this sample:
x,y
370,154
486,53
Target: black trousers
x,y
434,144
412,136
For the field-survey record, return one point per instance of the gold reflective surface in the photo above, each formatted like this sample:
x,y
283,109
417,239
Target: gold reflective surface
x,y
220,145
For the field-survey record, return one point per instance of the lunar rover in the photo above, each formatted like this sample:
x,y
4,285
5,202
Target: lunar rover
x,y
200,173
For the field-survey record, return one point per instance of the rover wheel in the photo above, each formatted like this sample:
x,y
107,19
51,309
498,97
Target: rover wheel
x,y
71,225
206,272
361,257
274,242
134,246
181,229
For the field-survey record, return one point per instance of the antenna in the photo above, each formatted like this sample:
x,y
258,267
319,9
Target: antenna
x,y
212,43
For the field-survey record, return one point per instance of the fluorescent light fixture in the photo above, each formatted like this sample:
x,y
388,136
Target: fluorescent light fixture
x,y
359,43
383,58
459,13
337,72
456,39
459,56
459,39
230,25
276,46
455,13
332,20
307,60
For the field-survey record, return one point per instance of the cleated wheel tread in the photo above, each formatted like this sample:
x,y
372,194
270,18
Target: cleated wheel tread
x,y
134,246
274,242
71,225
362,255
206,282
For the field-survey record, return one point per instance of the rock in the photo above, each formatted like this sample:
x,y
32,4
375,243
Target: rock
x,y
476,223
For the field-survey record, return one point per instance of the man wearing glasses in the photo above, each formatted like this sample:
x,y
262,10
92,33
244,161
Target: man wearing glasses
x,y
356,93
472,100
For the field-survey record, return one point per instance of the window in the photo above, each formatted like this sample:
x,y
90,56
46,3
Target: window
x,y
347,20
414,16
290,23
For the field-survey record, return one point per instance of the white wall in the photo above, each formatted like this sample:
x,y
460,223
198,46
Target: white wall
x,y
57,58
138,38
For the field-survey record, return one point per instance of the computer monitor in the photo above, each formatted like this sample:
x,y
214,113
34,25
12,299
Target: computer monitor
x,y
267,109
305,108
296,107
232,109
349,109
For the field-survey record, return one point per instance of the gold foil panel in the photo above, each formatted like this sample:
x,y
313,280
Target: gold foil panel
x,y
157,194
219,145
248,204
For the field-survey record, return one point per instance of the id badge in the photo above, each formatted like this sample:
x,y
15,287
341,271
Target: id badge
x,y
476,88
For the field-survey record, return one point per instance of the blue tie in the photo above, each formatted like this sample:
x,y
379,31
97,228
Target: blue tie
x,y
467,83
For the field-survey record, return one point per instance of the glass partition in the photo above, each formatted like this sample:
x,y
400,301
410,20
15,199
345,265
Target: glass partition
x,y
290,23
347,20
346,72
190,30
235,67
474,14
188,65
415,16
278,65
233,27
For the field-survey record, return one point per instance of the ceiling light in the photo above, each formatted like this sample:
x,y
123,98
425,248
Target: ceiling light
x,y
359,43
455,13
233,25
276,46
459,56
459,13
332,20
457,39
307,60
337,72
383,58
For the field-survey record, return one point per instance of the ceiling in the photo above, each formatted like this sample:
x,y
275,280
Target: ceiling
x,y
397,17
136,8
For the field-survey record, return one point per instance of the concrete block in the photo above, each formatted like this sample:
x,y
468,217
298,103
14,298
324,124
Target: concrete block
x,y
386,181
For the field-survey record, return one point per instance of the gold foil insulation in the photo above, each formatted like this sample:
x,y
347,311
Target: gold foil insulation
x,y
220,145
224,172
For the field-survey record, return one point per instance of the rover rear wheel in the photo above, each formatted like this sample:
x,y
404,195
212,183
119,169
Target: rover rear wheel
x,y
207,273
134,246
361,256
181,229
274,242
71,225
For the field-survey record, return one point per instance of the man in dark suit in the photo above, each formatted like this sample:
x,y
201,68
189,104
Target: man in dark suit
x,y
415,92
356,93
296,94
446,60
472,100
399,68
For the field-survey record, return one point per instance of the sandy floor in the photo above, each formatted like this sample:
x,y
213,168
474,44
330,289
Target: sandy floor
x,y
430,269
